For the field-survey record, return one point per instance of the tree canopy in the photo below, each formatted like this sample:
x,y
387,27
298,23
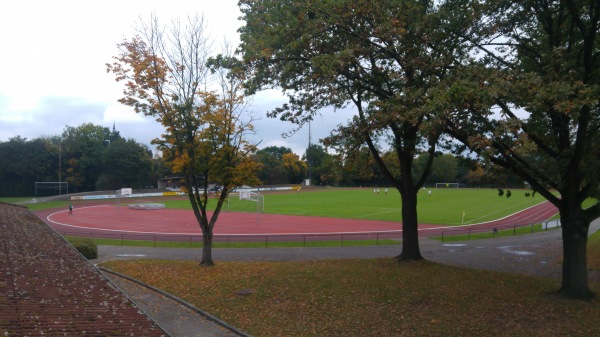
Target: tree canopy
x,y
384,58
89,157
529,103
166,73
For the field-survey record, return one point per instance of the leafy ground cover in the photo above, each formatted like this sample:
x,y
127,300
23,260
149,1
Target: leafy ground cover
x,y
370,297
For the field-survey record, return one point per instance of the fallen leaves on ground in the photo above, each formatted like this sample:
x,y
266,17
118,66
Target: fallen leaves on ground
x,y
370,297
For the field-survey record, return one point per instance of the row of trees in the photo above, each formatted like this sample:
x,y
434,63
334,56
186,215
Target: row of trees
x,y
200,100
91,157
88,157
515,82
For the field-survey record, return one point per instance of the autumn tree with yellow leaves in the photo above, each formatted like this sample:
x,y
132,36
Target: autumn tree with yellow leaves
x,y
167,72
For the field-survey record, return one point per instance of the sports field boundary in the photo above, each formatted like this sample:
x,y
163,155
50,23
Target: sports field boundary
x,y
159,225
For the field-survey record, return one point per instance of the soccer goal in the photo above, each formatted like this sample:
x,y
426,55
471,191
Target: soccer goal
x,y
51,187
249,202
255,197
446,185
124,192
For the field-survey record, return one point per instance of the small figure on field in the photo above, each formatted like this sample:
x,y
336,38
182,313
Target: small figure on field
x,y
429,192
385,191
70,209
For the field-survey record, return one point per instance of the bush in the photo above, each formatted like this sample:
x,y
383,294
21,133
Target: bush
x,y
87,248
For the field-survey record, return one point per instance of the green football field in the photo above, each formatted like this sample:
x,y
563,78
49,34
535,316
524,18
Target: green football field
x,y
444,206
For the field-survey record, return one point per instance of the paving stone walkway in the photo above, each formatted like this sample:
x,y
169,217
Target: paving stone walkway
x,y
176,319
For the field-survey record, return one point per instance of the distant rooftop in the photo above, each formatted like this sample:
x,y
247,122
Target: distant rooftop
x,y
48,289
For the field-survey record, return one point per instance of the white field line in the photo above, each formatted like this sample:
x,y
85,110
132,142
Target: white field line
x,y
498,211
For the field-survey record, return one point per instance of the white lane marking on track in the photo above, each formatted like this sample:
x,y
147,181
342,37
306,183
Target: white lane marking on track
x,y
280,234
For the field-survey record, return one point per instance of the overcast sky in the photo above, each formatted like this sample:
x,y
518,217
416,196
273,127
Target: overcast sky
x,y
53,73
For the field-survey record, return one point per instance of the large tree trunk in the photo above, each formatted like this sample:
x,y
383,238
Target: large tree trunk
x,y
410,227
574,271
207,239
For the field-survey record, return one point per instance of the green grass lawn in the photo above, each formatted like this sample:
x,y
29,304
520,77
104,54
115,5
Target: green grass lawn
x,y
489,234
444,206
26,201
15,200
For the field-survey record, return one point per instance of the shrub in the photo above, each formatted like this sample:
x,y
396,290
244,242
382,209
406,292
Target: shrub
x,y
87,248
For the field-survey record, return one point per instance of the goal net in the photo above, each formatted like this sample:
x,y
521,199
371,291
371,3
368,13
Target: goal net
x,y
248,202
446,185
253,197
124,192
51,187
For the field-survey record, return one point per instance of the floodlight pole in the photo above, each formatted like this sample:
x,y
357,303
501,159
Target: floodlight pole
x,y
59,166
308,159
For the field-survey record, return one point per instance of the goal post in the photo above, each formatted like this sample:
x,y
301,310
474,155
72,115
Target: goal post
x,y
256,197
123,192
446,185
244,195
61,187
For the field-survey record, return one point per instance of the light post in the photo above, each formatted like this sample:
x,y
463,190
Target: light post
x,y
308,157
59,166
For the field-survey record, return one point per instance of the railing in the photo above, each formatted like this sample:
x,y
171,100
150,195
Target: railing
x,y
305,239
230,240
494,231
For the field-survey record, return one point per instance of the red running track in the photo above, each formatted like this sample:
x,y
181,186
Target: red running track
x,y
113,220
